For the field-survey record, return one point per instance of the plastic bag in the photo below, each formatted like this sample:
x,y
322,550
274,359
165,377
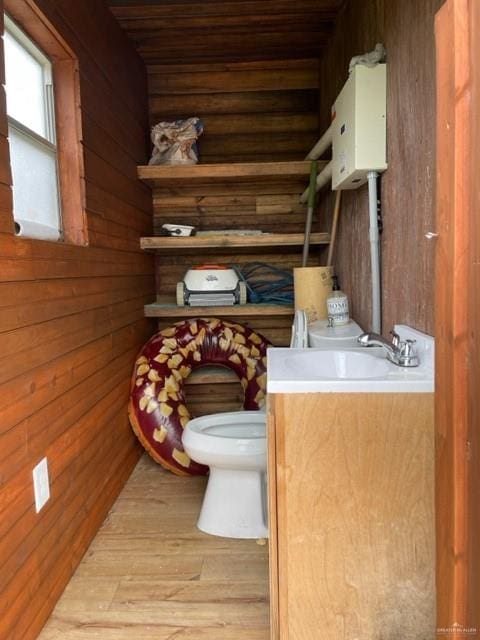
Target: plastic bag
x,y
176,142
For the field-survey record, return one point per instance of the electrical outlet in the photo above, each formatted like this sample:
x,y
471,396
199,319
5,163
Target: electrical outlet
x,y
41,485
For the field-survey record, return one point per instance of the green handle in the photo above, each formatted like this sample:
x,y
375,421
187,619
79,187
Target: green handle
x,y
312,189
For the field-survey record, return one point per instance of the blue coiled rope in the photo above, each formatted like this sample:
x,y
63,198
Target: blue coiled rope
x,y
265,283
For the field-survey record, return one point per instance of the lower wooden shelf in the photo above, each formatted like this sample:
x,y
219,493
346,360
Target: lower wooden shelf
x,y
168,309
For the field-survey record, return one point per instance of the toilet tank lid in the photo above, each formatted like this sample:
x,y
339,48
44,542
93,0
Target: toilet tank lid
x,y
320,329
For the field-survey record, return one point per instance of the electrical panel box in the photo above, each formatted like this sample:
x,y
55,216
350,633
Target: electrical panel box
x,y
359,124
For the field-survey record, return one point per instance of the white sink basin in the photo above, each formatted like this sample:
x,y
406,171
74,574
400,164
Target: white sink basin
x,y
360,370
336,365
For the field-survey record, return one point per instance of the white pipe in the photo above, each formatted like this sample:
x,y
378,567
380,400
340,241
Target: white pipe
x,y
322,145
322,179
374,251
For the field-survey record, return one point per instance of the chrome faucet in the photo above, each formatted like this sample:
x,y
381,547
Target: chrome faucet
x,y
399,352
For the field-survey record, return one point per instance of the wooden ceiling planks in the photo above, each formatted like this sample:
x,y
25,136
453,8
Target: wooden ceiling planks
x,y
183,32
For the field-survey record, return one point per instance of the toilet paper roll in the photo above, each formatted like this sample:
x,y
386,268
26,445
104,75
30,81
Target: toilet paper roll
x,y
312,286
30,229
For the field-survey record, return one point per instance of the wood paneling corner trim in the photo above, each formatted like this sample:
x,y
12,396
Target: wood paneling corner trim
x,y
457,307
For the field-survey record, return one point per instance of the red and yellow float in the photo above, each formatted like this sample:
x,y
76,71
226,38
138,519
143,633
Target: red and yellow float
x,y
157,409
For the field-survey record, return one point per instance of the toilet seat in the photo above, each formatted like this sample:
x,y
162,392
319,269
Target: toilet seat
x,y
236,439
233,425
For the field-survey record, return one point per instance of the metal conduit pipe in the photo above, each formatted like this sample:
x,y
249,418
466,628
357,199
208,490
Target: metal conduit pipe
x,y
374,252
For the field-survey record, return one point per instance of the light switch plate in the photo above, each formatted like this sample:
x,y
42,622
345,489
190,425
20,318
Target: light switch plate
x,y
41,485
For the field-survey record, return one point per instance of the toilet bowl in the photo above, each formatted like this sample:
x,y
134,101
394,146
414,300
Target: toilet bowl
x,y
233,445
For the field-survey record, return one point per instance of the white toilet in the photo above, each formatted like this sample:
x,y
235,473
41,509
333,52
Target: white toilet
x,y
234,446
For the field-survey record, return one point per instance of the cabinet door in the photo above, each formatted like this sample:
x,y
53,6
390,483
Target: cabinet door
x,y
354,523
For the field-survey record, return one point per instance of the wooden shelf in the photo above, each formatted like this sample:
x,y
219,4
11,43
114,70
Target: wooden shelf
x,y
171,310
165,175
249,195
233,242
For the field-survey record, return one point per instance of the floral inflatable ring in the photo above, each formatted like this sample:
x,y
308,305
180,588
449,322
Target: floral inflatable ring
x,y
157,410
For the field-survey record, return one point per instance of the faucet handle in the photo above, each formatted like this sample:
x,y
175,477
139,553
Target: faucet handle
x,y
408,353
407,347
395,338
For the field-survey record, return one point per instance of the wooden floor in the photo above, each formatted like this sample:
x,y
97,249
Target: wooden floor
x,y
151,575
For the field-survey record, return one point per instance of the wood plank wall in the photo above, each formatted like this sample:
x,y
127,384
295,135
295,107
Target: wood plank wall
x,y
71,322
408,187
252,111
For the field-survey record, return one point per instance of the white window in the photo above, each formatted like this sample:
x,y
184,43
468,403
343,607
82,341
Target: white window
x,y
31,131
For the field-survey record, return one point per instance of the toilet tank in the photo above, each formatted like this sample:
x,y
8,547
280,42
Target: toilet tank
x,y
320,335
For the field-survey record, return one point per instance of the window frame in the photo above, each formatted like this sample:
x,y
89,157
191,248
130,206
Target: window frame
x,y
67,115
46,144
18,34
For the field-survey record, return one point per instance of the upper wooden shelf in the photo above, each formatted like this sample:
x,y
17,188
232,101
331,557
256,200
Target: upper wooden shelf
x,y
163,175
233,242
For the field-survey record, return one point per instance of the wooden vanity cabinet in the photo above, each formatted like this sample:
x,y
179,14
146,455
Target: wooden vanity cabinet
x,y
351,507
